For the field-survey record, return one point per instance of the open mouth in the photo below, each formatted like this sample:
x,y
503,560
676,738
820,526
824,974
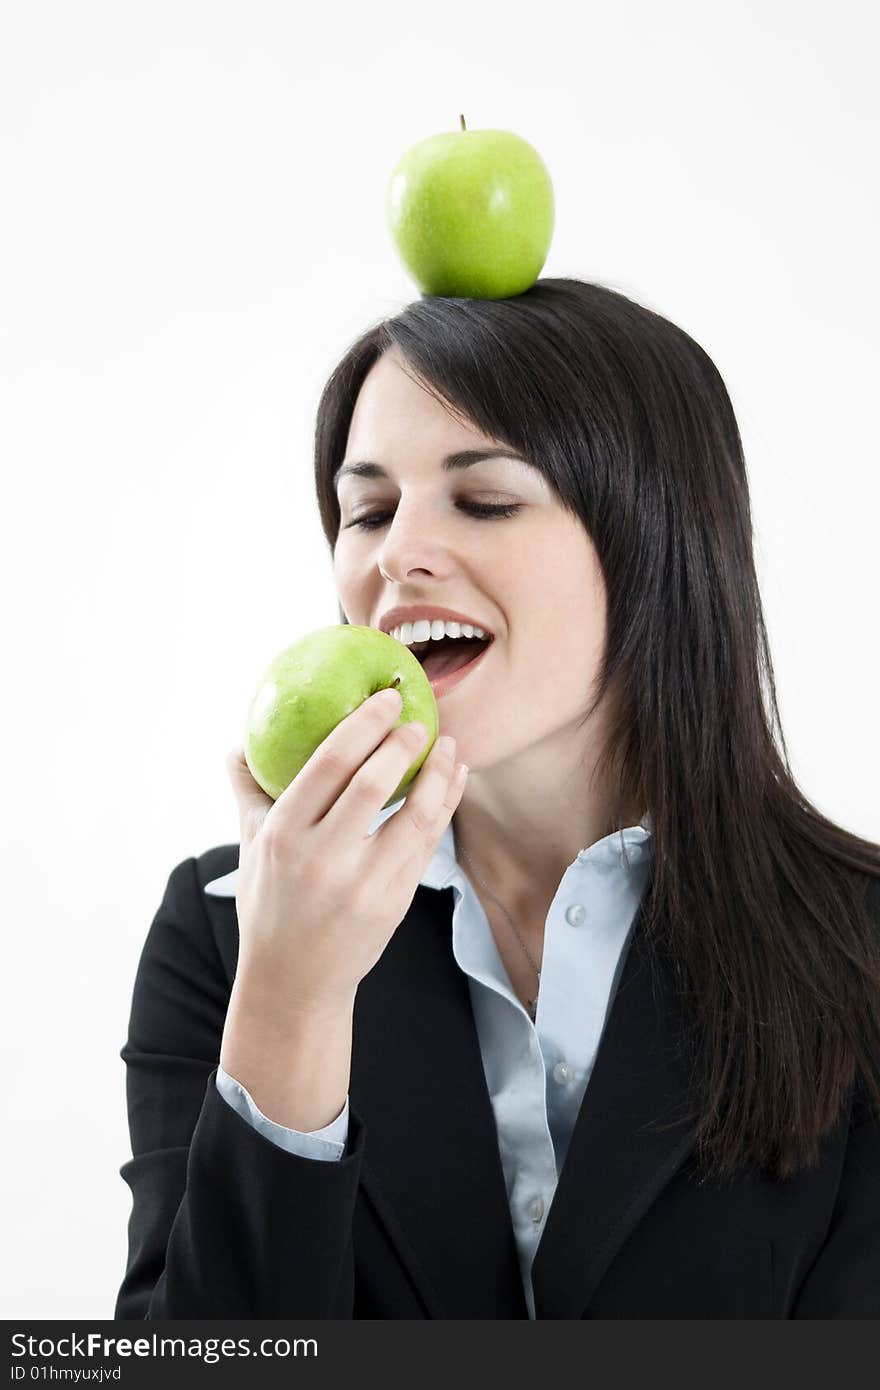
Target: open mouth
x,y
449,654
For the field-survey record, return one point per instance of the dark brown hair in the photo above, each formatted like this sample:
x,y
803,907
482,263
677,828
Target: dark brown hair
x,y
767,911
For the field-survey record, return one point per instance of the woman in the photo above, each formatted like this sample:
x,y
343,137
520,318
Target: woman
x,y
595,1035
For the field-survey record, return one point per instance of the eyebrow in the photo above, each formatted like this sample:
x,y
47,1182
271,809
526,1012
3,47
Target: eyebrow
x,y
465,458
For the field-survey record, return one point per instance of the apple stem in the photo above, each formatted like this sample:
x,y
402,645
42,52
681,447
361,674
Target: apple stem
x,y
463,126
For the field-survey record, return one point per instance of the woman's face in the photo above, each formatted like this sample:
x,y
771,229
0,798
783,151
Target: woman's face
x,y
532,579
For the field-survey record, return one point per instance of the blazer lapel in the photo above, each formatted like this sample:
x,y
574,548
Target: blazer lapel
x,y
431,1166
633,1131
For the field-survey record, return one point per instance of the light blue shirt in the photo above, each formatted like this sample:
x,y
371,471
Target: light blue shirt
x,y
536,1073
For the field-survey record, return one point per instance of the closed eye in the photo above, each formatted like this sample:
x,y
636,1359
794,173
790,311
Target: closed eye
x,y
484,510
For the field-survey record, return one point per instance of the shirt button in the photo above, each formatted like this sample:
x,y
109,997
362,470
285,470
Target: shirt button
x,y
536,1209
562,1073
576,914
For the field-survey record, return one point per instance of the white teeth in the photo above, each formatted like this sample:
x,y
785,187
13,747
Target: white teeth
x,y
425,630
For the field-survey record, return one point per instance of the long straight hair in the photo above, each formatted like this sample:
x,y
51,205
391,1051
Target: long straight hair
x,y
766,910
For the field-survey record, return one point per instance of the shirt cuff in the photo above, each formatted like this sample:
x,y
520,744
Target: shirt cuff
x,y
327,1143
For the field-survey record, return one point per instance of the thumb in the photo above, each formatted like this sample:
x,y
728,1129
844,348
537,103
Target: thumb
x,y
253,803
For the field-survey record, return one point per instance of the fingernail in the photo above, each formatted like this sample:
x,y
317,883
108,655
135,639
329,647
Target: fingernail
x,y
390,697
446,744
418,729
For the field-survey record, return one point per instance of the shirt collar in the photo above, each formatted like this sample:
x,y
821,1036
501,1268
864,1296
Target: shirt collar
x,y
630,842
444,869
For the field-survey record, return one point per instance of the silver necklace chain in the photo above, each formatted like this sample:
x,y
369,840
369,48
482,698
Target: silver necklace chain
x,y
532,1004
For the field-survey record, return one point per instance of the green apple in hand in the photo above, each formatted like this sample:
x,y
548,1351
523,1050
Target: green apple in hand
x,y
314,684
471,212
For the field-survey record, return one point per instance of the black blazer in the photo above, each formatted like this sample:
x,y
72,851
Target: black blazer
x,y
413,1221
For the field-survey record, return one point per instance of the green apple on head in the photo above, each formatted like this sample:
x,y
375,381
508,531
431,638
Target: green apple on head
x,y
471,213
312,685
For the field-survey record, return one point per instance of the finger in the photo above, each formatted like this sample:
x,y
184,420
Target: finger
x,y
253,803
410,837
374,783
455,787
324,779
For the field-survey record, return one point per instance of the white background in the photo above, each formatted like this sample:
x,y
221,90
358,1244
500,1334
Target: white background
x,y
192,234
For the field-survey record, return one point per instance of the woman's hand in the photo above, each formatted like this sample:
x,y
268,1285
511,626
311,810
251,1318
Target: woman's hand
x,y
318,897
